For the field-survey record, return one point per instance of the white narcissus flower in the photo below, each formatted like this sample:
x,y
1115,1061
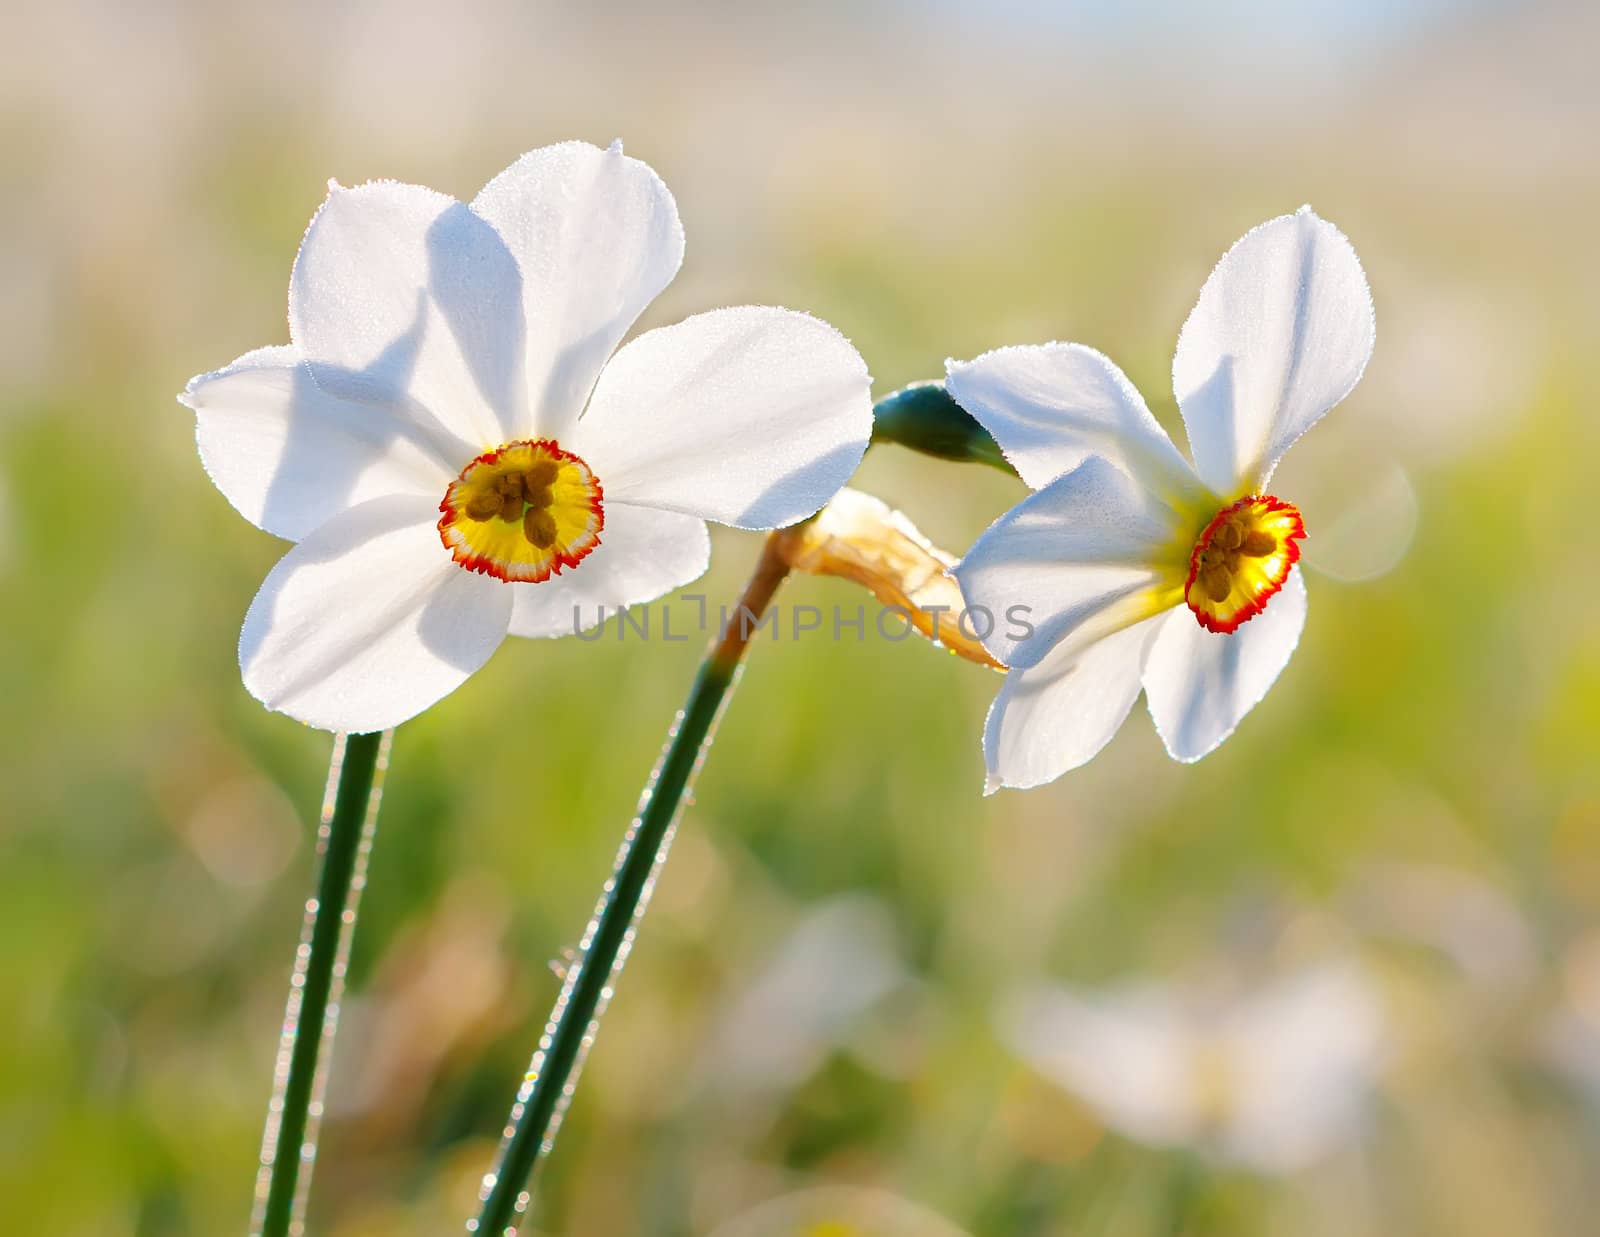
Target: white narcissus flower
x,y
1129,567
458,453
1272,1081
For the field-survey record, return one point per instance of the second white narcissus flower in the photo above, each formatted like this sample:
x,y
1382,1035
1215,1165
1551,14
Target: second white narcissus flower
x,y
458,453
1136,569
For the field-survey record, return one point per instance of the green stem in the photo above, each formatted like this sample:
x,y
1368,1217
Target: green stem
x,y
590,977
344,842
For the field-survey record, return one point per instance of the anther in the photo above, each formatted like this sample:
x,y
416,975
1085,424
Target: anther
x,y
539,527
1218,583
1259,544
510,506
1228,537
540,497
540,473
483,505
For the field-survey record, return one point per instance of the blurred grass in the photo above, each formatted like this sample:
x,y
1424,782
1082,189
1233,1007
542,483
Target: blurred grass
x,y
154,841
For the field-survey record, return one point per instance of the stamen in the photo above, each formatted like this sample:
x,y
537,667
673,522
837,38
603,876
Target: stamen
x,y
1241,560
483,505
539,527
1259,544
523,511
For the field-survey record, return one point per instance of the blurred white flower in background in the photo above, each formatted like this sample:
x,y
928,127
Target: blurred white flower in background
x,y
1570,1042
1467,918
815,988
839,1211
1272,1081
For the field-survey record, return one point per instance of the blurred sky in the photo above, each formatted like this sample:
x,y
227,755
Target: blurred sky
x,y
1303,32
118,117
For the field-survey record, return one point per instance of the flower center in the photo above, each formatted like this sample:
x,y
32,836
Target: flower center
x,y
1242,559
522,512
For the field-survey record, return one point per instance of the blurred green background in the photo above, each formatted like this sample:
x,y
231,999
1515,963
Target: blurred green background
x,y
1419,792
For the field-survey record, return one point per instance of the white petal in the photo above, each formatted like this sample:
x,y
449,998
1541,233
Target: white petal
x,y
642,555
1200,684
1088,548
368,621
752,416
289,456
1055,716
1051,406
401,295
1281,333
597,237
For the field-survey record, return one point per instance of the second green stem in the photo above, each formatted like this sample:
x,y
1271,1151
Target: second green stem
x,y
604,948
